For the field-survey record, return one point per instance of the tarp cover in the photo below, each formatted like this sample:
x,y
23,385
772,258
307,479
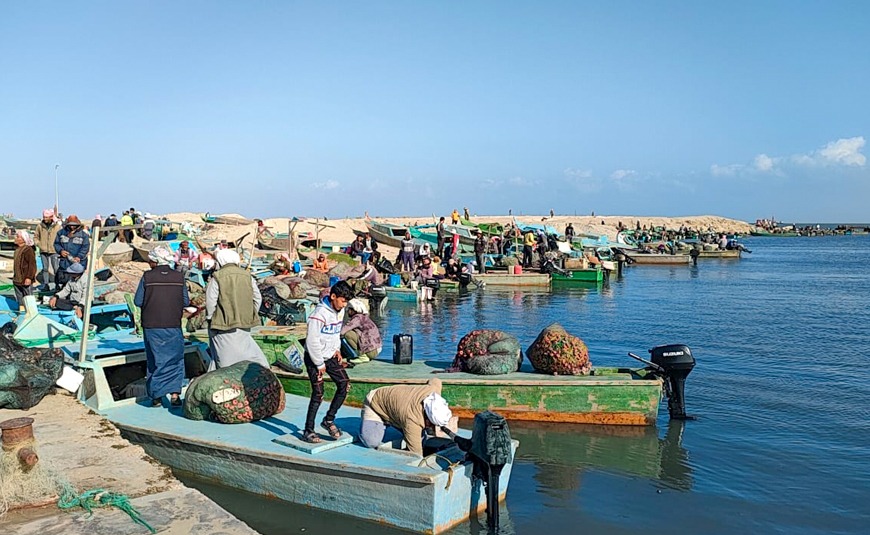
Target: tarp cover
x,y
488,352
556,352
26,375
243,392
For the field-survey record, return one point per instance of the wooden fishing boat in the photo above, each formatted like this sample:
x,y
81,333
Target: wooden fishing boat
x,y
421,237
386,233
117,253
277,242
402,294
655,259
762,233
612,396
507,279
225,220
719,253
490,229
577,277
383,485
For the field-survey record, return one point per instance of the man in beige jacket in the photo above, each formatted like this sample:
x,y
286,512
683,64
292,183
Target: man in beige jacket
x,y
408,408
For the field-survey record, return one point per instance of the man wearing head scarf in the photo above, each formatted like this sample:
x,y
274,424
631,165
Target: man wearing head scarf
x,y
44,236
23,267
162,296
232,304
409,408
185,257
72,245
360,334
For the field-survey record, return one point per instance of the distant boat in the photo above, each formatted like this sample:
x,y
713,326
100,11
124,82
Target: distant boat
x,y
657,258
760,232
225,220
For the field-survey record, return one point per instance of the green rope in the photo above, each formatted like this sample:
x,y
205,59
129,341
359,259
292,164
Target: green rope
x,y
91,499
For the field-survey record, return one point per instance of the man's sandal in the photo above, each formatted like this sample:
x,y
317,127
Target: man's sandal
x,y
332,429
311,437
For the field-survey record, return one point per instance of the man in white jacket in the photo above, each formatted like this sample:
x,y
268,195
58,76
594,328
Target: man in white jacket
x,y
323,354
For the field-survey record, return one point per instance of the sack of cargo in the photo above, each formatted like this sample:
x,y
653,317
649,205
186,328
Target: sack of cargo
x,y
488,352
243,392
556,352
26,375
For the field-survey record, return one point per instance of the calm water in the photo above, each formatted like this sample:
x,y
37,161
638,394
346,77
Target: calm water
x,y
782,390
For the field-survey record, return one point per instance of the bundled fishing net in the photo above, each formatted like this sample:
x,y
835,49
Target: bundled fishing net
x,y
26,487
488,352
243,392
317,278
556,352
26,375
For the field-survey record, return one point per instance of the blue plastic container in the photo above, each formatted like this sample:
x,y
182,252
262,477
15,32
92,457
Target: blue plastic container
x,y
297,266
333,280
395,280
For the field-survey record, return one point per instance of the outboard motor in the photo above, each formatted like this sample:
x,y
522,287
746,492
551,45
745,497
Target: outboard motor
x,y
675,362
490,449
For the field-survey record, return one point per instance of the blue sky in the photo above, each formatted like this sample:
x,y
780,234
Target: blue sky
x,y
742,109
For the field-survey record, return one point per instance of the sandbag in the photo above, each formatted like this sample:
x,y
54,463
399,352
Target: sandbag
x,y
488,352
26,375
557,352
243,392
317,278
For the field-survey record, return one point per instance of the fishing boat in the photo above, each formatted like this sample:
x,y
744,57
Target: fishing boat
x,y
225,220
611,396
386,233
402,294
490,229
421,237
508,279
656,259
718,253
384,485
763,233
577,277
117,253
276,242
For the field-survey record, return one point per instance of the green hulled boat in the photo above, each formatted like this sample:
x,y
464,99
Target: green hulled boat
x,y
577,277
611,396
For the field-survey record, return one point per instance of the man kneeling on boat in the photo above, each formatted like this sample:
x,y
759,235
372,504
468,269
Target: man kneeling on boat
x,y
360,337
409,408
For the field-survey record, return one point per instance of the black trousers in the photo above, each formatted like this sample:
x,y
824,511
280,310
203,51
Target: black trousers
x,y
342,384
527,256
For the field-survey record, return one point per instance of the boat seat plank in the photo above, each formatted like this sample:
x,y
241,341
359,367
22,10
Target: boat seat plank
x,y
295,441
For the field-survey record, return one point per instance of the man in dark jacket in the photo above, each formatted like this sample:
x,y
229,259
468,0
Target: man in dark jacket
x,y
479,250
162,296
72,245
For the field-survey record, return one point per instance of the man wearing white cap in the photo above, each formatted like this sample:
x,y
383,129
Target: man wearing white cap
x,y
408,408
232,305
44,235
162,296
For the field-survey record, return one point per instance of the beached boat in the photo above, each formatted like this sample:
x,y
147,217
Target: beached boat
x,y
383,485
490,229
577,277
117,253
508,279
225,220
386,233
276,242
431,238
612,396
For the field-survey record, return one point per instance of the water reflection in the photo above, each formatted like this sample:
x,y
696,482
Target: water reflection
x,y
562,452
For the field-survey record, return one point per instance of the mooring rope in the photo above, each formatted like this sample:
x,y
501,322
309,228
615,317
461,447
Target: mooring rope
x,y
451,466
91,499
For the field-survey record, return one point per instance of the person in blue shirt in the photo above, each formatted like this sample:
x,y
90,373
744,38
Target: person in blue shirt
x,y
72,245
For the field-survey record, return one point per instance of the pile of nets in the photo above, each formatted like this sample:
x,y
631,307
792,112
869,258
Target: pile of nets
x,y
243,392
25,487
488,352
556,352
26,375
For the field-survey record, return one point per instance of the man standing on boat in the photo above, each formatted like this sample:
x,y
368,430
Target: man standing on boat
x,y
232,304
479,252
72,244
407,253
44,236
162,296
439,230
409,408
323,355
529,242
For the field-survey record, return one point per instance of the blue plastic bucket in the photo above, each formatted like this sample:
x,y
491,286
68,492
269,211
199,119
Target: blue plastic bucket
x,y
297,266
395,280
333,280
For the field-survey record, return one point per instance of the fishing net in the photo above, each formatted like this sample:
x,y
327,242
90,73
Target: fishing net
x,y
26,487
488,352
317,278
26,375
556,352
243,392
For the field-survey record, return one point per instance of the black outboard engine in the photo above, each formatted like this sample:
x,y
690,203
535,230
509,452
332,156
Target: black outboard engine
x,y
675,362
490,449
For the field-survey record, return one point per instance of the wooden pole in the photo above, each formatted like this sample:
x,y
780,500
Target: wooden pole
x,y
89,294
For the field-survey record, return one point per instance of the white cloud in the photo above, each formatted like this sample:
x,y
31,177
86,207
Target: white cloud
x,y
577,173
521,182
763,163
377,184
621,174
844,151
329,184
